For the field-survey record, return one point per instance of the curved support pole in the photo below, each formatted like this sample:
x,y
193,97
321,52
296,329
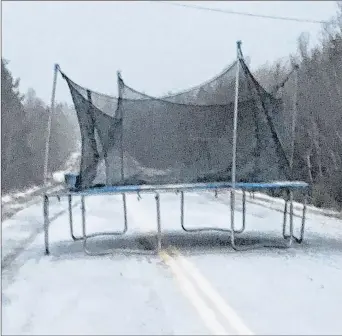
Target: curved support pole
x,y
256,246
212,228
303,220
85,237
46,223
84,233
74,238
232,223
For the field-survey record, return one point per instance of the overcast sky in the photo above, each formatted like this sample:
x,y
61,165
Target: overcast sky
x,y
158,47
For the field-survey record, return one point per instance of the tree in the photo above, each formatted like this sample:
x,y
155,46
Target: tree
x,y
24,133
13,143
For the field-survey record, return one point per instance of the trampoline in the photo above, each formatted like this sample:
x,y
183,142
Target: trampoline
x,y
186,142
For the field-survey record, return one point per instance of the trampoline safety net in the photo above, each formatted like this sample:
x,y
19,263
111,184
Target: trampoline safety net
x,y
187,137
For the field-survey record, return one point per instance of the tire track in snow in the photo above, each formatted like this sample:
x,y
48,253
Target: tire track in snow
x,y
10,257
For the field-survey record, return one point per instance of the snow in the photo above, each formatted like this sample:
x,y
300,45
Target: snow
x,y
58,176
18,200
6,198
71,293
27,199
275,201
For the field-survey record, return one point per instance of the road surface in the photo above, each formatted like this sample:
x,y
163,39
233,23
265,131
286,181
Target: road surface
x,y
196,286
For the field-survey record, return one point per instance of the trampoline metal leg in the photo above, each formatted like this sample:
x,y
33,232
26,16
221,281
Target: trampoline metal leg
x,y
85,237
46,223
212,228
232,219
288,202
303,220
302,229
291,219
257,245
84,233
285,219
71,224
125,213
243,213
159,242
182,210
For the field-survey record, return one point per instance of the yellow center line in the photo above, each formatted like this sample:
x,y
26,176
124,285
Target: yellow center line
x,y
206,313
206,289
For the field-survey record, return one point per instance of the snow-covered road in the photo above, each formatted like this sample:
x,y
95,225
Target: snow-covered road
x,y
199,285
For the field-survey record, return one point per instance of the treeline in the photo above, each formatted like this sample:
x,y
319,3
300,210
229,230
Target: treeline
x,y
24,120
318,141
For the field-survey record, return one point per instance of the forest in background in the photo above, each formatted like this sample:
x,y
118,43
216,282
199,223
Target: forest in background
x,y
318,141
24,120
318,144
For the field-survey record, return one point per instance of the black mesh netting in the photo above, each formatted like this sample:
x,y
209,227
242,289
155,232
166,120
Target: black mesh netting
x,y
180,138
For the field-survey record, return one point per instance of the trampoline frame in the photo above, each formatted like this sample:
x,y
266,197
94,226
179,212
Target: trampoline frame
x,y
179,188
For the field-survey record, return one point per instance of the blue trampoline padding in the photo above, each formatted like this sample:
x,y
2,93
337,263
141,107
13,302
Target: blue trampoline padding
x,y
189,187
